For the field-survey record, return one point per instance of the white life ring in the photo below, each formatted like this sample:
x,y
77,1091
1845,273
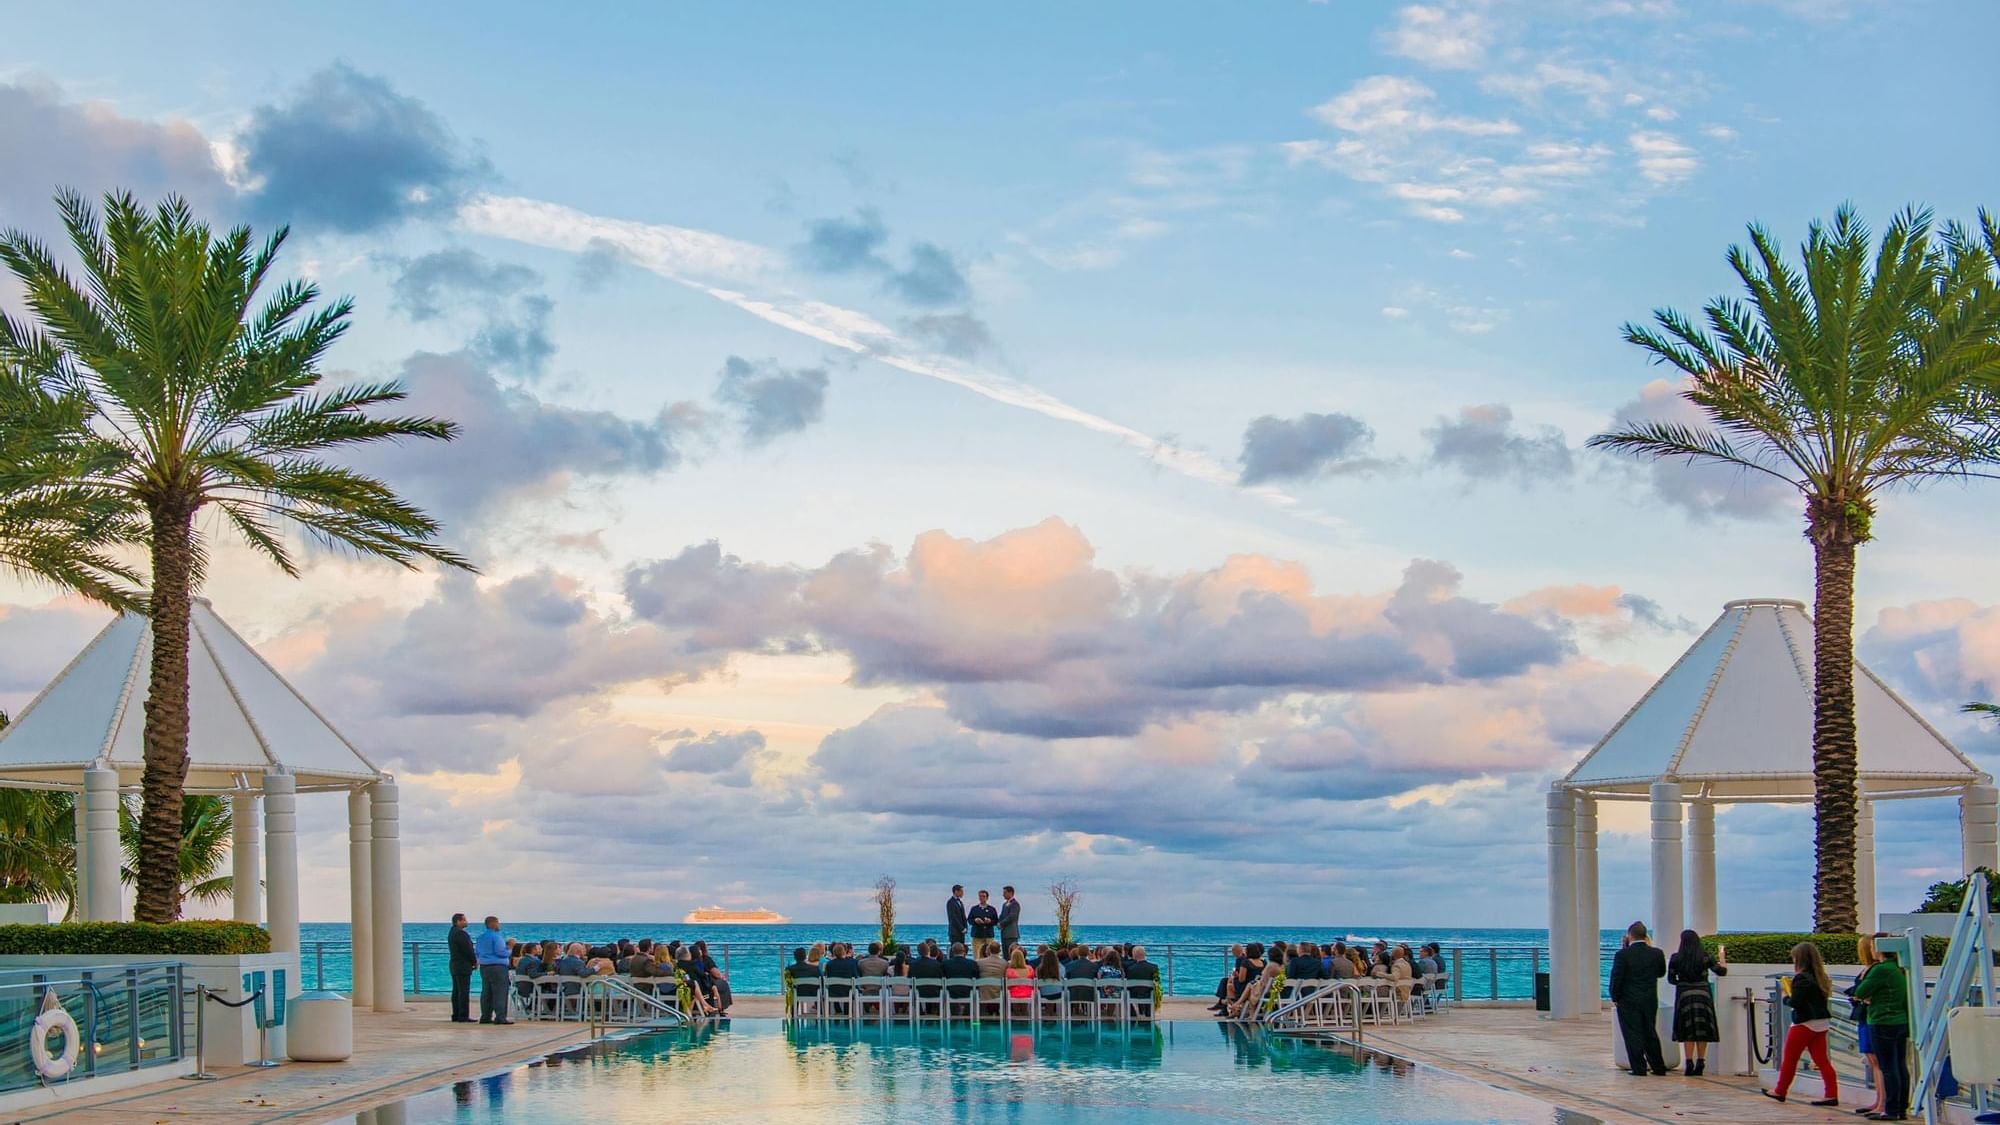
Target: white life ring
x,y
53,1066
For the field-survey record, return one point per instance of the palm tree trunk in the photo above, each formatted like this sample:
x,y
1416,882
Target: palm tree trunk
x,y
1836,750
166,714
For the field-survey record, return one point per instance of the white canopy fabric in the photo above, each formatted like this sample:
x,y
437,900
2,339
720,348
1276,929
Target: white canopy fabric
x,y
244,717
1732,721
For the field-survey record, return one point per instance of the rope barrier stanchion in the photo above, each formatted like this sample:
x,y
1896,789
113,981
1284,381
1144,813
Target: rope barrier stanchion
x,y
202,997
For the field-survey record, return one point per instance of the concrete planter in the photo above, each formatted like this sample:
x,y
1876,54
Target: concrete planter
x,y
230,1033
1929,925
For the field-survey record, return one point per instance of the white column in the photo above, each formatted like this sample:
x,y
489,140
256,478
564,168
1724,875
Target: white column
x,y
1669,895
360,901
80,894
1979,827
281,859
1589,951
1562,905
1864,864
1701,871
243,865
100,810
386,868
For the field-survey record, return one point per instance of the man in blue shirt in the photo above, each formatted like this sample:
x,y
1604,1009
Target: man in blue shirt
x,y
491,949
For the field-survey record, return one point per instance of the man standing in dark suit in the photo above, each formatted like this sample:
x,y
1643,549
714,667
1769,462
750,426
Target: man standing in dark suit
x,y
954,915
1635,990
1010,921
464,962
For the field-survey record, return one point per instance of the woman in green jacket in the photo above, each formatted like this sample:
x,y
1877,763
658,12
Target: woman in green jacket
x,y
1886,991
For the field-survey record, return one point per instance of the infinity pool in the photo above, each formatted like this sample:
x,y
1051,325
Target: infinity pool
x,y
764,1070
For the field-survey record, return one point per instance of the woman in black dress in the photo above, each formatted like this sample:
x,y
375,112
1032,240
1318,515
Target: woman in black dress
x,y
1695,1024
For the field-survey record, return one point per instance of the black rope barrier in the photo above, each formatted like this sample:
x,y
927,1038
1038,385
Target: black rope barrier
x,y
250,999
1763,1057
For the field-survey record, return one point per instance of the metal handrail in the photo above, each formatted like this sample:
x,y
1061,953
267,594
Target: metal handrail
x,y
609,987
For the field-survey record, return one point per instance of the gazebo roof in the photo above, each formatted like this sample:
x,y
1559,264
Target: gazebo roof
x,y
244,717
1733,719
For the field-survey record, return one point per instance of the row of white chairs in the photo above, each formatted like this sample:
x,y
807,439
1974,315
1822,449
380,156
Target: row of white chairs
x,y
555,997
1357,1002
967,1000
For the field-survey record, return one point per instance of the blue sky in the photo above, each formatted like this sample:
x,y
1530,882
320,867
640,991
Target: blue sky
x,y
1281,313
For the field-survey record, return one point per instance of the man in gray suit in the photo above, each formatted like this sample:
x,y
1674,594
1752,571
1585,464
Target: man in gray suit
x,y
1010,920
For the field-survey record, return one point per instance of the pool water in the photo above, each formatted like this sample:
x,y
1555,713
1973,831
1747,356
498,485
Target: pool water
x,y
765,1070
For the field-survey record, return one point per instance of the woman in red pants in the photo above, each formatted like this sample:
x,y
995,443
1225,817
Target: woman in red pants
x,y
1810,1018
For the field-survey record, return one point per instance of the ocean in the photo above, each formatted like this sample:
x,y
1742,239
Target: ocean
x,y
1492,963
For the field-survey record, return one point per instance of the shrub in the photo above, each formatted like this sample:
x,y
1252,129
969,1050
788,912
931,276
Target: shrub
x,y
1949,898
1776,949
173,939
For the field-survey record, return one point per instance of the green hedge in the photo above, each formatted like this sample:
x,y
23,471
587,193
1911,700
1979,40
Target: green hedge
x,y
175,939
1776,949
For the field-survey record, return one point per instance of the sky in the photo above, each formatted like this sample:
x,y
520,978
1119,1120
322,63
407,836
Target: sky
x,y
1140,443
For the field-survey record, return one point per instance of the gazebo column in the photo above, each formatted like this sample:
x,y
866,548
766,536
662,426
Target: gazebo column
x,y
1562,905
244,878
360,900
281,859
385,863
1864,864
79,904
1589,943
1701,871
102,851
1979,827
1669,891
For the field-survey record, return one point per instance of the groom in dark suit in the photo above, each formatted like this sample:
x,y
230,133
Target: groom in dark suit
x,y
1010,920
1635,991
954,915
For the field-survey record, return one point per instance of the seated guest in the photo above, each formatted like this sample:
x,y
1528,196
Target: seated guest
x,y
1138,968
1081,968
718,980
1340,966
874,965
960,967
841,961
991,964
571,963
1112,967
529,961
804,976
1048,974
817,954
926,966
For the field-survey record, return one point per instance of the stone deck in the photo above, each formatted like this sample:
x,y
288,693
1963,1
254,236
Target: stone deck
x,y
1568,1064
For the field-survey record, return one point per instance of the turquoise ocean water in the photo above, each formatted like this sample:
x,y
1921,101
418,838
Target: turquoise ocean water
x,y
1491,961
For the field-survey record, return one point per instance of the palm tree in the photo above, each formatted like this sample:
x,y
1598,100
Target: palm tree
x,y
1858,371
38,846
60,536
159,389
205,840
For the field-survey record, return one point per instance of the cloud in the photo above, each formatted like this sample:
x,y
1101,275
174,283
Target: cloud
x,y
1438,36
39,640
960,335
1393,103
514,313
1482,444
719,600
1301,448
841,245
513,444
1946,651
346,152
771,400
931,279
845,245
1702,489
724,756
1662,158
1605,612
93,148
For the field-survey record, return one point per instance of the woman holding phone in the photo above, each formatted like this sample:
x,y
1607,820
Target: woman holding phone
x,y
1695,1022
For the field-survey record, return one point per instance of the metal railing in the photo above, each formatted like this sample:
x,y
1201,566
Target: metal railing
x,y
128,1017
1477,972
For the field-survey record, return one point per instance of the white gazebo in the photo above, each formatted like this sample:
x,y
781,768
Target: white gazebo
x,y
252,736
1730,723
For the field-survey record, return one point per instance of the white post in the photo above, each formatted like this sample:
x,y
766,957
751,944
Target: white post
x,y
1979,827
1562,905
360,901
1701,871
243,873
100,809
1589,930
79,906
386,867
1669,893
1864,864
281,859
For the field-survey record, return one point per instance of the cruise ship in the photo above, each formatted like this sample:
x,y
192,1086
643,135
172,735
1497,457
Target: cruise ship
x,y
717,916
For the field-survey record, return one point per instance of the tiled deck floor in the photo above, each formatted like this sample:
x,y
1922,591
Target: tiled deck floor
x,y
1569,1064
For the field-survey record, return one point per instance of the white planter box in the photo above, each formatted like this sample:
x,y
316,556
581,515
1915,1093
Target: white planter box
x,y
230,1033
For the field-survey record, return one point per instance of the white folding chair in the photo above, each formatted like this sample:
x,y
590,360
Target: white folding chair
x,y
871,993
961,997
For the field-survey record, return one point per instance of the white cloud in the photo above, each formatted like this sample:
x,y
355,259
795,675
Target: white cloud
x,y
1386,102
1395,312
1719,132
1662,158
1447,38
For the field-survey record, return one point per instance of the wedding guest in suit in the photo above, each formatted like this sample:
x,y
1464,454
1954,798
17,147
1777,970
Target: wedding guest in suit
x,y
1635,991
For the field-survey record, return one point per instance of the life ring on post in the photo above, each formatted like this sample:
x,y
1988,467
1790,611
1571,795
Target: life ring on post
x,y
53,1020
